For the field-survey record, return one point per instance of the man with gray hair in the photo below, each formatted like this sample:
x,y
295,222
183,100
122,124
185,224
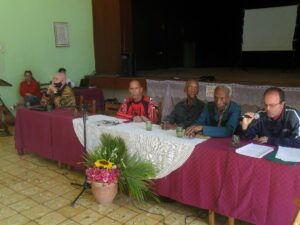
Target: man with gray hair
x,y
219,118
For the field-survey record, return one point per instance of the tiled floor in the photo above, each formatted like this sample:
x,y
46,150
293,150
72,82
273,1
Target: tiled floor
x,y
34,191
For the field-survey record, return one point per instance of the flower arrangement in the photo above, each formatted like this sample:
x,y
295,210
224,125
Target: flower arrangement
x,y
103,171
111,163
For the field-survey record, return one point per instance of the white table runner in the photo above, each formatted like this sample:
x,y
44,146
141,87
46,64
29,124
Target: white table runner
x,y
162,148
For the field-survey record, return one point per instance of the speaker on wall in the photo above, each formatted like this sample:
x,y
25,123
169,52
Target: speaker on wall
x,y
127,64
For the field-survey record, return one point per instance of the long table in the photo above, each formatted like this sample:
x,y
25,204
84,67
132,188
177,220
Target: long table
x,y
48,134
258,191
214,177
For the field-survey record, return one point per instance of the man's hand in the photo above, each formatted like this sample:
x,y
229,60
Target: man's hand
x,y
192,130
165,125
51,89
246,121
262,140
28,94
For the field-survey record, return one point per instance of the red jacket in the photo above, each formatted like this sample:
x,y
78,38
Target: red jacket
x,y
32,88
144,107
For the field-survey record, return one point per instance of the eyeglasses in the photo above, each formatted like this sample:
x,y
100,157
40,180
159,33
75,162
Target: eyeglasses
x,y
271,105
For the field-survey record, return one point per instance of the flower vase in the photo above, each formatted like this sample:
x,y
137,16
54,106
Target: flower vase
x,y
104,193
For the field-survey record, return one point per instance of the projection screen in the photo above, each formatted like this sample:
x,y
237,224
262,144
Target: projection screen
x,y
269,29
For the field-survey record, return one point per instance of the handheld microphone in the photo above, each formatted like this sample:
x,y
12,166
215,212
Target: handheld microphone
x,y
255,116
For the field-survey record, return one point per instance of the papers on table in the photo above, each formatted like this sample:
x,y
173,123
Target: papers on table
x,y
107,122
288,154
254,150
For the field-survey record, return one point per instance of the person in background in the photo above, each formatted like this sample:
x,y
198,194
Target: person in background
x,y
187,110
277,124
137,107
68,81
59,94
29,89
219,118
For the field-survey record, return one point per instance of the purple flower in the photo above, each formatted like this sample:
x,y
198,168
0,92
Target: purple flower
x,y
96,174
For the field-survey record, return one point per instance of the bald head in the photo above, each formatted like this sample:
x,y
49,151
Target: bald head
x,y
135,89
191,89
59,78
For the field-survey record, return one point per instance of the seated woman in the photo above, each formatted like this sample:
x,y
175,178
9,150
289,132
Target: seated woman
x,y
29,89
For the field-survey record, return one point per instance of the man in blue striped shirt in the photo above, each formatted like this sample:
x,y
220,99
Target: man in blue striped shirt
x,y
219,118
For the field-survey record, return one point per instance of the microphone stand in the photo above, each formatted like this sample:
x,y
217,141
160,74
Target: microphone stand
x,y
85,184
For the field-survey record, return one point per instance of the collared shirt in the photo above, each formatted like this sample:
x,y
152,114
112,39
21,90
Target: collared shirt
x,y
184,114
284,131
217,125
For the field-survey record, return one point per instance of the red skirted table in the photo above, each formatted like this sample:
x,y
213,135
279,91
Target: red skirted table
x,y
214,177
48,134
258,191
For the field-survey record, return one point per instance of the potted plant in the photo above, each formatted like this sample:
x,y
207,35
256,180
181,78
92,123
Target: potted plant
x,y
110,166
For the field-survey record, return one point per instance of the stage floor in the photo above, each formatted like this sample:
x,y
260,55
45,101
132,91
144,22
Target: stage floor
x,y
260,76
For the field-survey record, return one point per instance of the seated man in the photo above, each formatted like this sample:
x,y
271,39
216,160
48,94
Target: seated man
x,y
187,110
138,107
277,125
29,89
219,118
59,93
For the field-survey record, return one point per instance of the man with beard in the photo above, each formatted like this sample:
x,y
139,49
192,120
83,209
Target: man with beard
x,y
59,94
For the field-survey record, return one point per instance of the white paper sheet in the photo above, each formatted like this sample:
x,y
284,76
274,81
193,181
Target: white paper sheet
x,y
288,154
254,150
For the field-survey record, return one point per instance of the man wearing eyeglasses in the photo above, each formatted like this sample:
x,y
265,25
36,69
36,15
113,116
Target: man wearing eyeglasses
x,y
277,125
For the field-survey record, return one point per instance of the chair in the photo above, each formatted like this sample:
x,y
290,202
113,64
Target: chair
x,y
111,108
296,220
158,108
211,219
91,104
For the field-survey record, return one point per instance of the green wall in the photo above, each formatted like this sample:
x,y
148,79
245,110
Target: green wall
x,y
27,41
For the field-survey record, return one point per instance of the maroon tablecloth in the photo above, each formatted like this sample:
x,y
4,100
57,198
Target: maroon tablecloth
x,y
48,134
214,177
91,93
258,191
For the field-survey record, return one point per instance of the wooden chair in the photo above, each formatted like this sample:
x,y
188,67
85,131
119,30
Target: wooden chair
x,y
91,104
111,108
158,108
211,219
296,220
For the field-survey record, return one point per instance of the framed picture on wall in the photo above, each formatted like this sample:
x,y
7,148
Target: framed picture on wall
x,y
61,32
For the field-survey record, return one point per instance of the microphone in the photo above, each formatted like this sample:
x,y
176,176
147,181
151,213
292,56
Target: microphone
x,y
255,116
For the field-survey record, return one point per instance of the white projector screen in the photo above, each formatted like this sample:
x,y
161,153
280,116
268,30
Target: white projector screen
x,y
269,29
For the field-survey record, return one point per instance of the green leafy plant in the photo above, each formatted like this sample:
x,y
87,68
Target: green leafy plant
x,y
135,173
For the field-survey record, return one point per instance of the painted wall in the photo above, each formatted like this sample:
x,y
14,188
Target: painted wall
x,y
27,41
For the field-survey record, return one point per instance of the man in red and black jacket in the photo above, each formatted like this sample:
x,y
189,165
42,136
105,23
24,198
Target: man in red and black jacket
x,y
138,107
